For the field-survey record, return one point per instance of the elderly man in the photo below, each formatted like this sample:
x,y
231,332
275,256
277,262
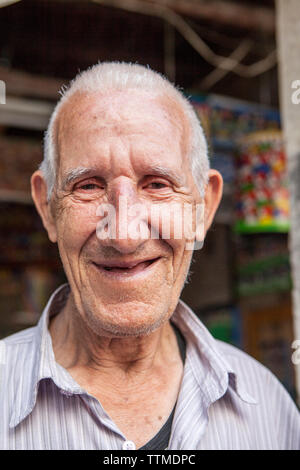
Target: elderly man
x,y
117,361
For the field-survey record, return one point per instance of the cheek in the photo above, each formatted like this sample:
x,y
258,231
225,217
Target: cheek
x,y
181,257
75,225
170,229
177,232
175,224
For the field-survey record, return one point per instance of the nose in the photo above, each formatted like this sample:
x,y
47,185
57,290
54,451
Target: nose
x,y
127,223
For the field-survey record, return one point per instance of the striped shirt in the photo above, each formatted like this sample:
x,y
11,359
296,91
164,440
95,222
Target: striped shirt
x,y
227,400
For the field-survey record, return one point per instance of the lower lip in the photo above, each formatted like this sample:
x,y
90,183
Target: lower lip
x,y
140,270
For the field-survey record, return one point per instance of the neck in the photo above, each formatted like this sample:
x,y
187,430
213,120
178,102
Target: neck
x,y
79,349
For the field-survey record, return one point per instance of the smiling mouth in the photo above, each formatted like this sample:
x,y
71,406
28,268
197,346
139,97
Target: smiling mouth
x,y
128,269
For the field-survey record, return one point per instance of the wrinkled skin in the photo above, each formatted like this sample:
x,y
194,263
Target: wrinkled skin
x,y
122,137
120,323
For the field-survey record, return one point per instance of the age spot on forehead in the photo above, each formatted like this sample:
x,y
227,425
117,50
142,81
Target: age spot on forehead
x,y
113,113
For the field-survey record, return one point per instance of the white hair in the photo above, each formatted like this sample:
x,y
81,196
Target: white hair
x,y
123,76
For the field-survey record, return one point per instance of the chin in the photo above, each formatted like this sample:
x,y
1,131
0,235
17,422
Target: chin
x,y
123,322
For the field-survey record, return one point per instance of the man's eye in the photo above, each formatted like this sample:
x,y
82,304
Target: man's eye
x,y
156,185
88,186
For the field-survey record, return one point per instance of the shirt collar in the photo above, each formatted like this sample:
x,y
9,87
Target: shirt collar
x,y
206,349
211,369
44,364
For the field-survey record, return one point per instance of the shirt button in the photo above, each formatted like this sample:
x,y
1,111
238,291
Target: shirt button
x,y
128,445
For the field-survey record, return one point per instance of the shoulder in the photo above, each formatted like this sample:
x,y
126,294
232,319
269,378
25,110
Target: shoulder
x,y
23,336
238,359
258,379
246,366
16,344
275,408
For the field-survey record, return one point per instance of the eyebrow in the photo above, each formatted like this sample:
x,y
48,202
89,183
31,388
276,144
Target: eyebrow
x,y
167,172
75,173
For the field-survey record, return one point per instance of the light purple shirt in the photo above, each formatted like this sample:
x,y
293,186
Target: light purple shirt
x,y
227,400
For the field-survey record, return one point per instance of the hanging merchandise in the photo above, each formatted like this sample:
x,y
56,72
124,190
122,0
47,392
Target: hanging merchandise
x,y
262,264
262,199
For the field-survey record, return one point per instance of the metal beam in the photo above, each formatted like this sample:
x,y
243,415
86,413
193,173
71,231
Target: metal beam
x,y
28,114
224,12
288,33
20,83
232,14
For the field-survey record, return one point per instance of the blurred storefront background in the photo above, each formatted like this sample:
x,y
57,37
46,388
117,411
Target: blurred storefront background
x,y
240,282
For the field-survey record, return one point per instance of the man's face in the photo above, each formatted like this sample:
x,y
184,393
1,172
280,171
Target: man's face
x,y
132,145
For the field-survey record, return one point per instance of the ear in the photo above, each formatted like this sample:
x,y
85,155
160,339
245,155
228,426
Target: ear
x,y
212,198
39,196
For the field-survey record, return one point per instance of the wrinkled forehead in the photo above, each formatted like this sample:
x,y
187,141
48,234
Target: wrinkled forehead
x,y
118,110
